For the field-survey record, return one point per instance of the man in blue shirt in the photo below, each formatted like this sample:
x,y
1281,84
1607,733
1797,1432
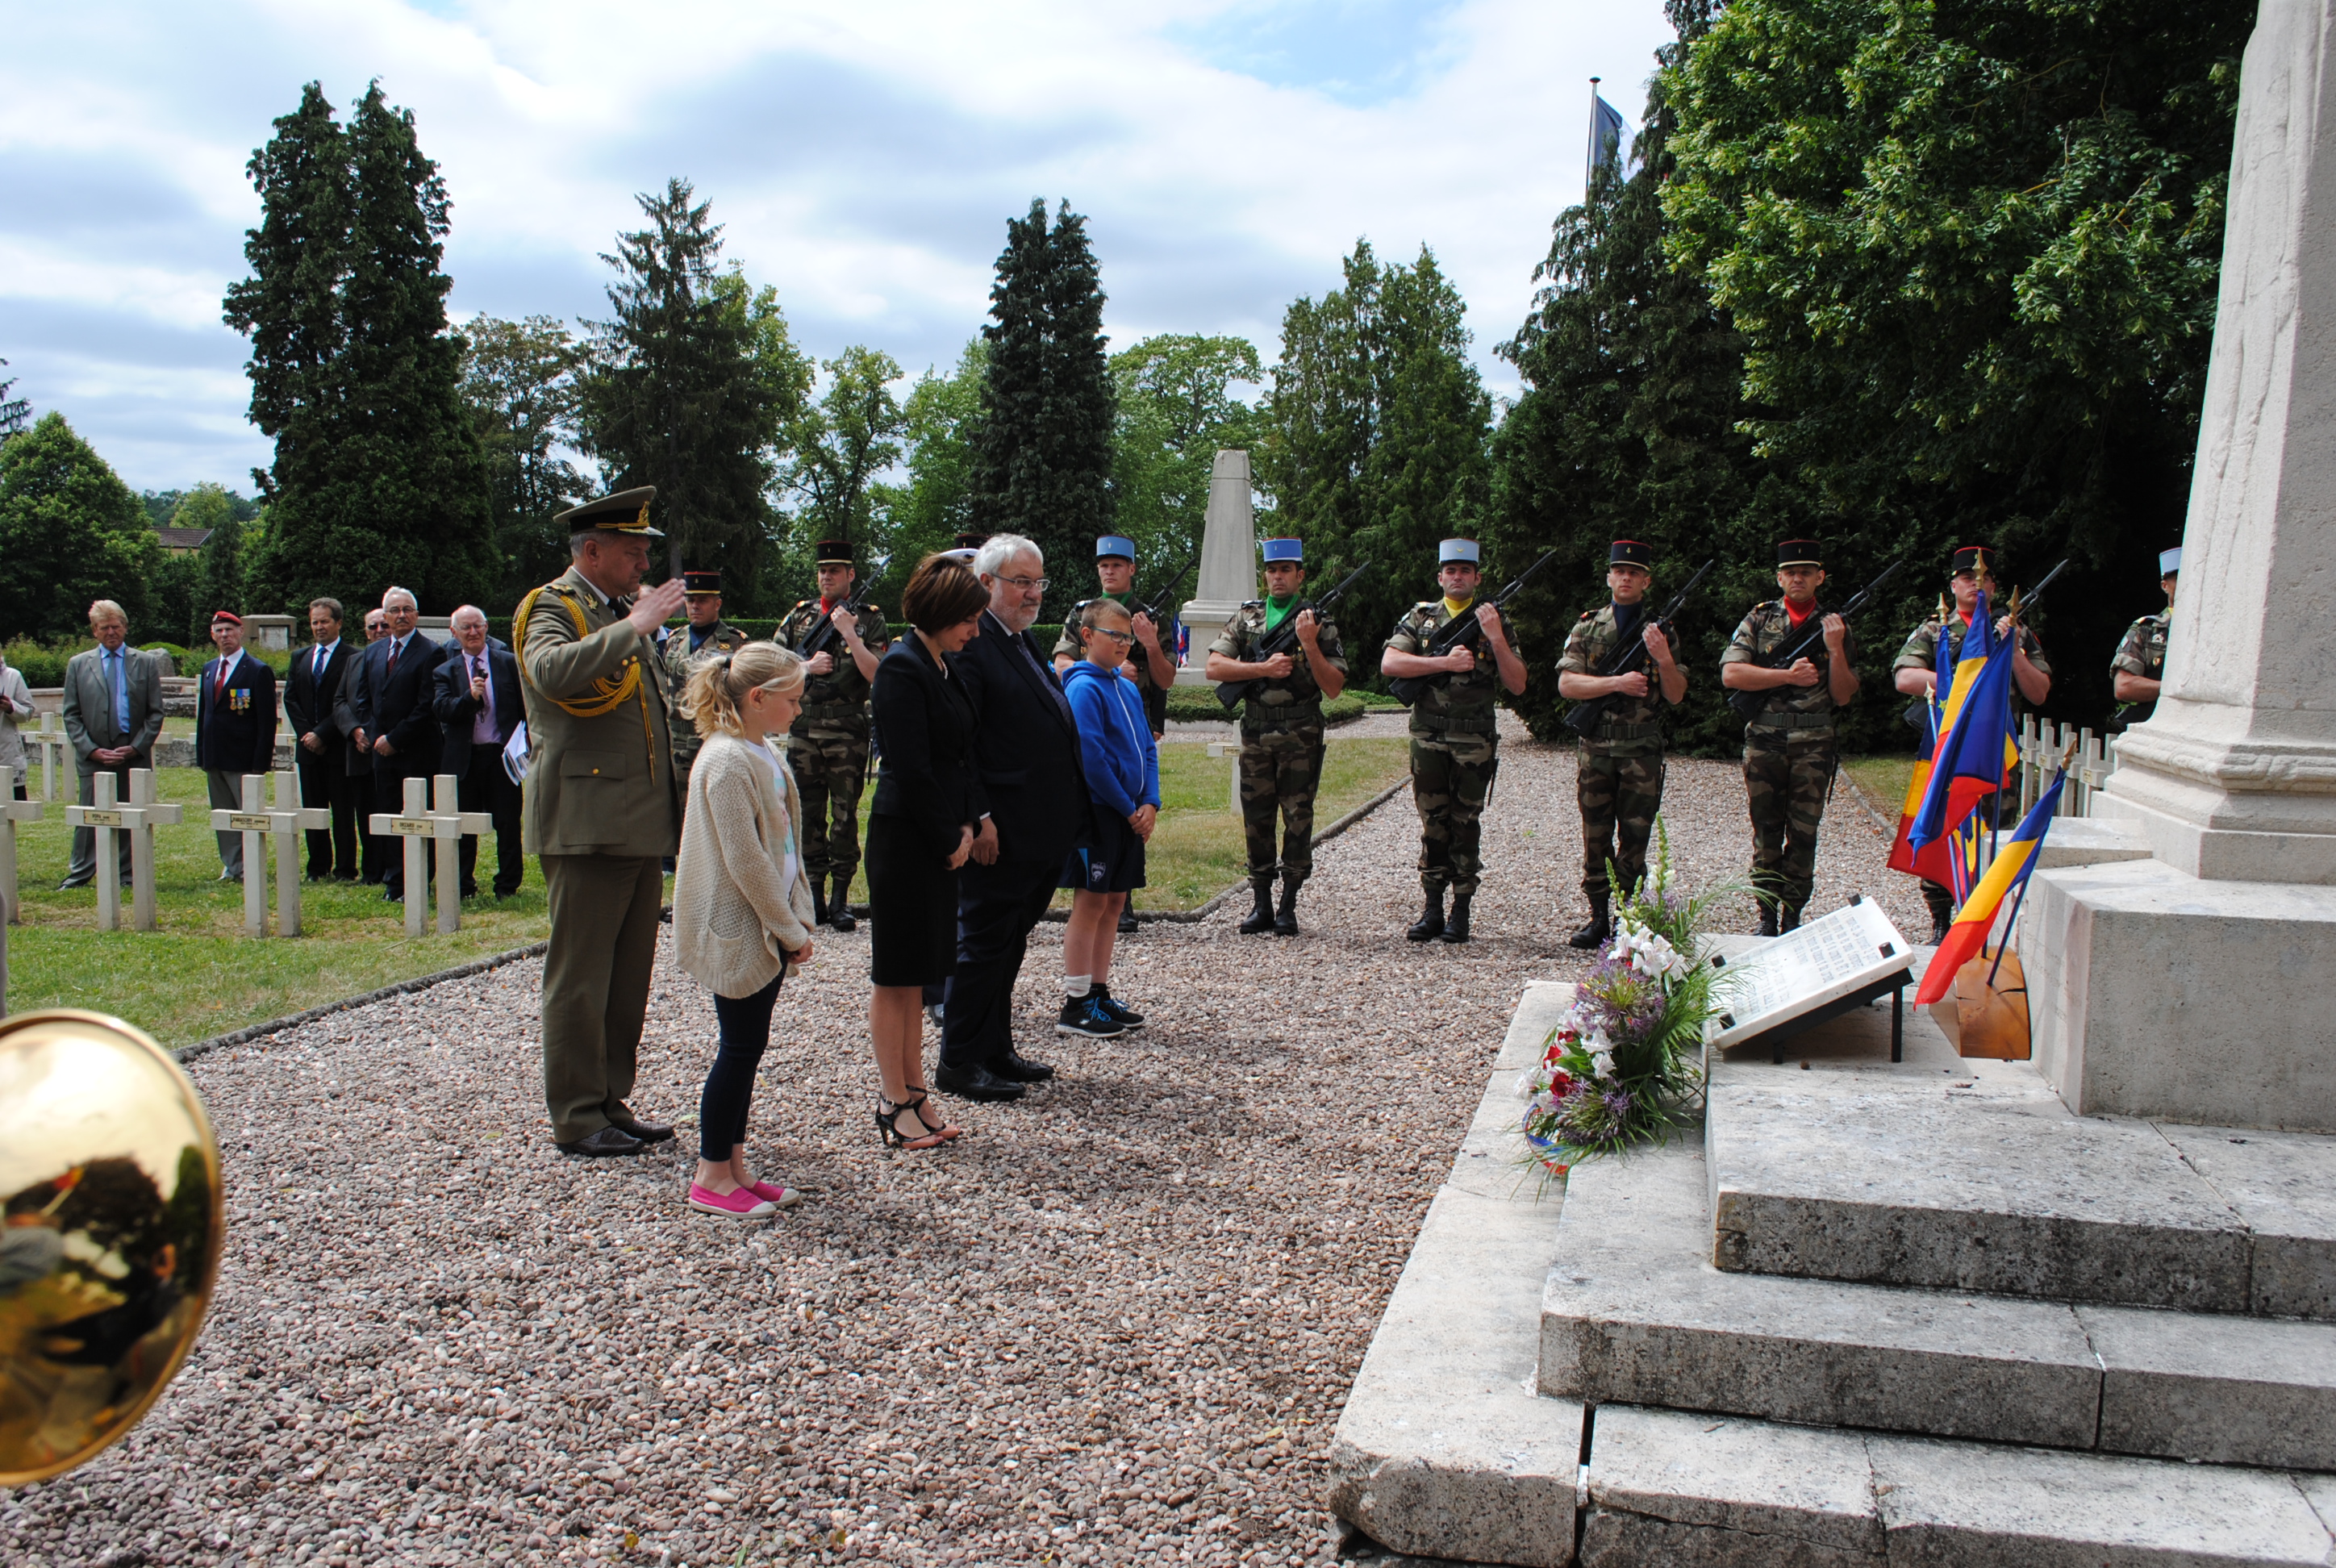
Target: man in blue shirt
x,y
113,712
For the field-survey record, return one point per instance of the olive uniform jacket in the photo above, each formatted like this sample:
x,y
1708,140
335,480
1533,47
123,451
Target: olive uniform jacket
x,y
1633,725
597,783
835,704
723,637
1767,631
1455,710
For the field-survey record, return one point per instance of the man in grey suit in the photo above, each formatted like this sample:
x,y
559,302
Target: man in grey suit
x,y
114,711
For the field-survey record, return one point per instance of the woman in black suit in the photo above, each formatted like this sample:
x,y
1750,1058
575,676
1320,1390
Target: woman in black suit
x,y
919,832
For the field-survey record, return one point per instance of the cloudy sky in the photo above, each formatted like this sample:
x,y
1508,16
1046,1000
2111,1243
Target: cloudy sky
x,y
863,156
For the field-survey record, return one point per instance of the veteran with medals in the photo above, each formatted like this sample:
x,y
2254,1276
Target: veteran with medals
x,y
1619,774
828,746
1281,729
603,812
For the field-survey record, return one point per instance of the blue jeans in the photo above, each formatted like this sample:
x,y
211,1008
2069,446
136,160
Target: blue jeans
x,y
730,1083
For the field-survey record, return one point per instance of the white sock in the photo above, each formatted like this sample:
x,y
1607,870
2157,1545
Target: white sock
x,y
1075,985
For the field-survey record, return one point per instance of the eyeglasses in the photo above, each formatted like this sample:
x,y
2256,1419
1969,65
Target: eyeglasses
x,y
1027,583
1114,636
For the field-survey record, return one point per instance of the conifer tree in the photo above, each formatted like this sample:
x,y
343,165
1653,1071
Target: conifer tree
x,y
16,412
219,579
1044,453
71,531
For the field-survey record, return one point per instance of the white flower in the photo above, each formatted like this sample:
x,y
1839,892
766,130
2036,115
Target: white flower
x,y
1602,1064
1646,952
1531,1084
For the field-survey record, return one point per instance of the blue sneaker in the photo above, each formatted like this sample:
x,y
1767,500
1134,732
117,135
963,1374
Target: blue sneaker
x,y
1126,1018
1084,1016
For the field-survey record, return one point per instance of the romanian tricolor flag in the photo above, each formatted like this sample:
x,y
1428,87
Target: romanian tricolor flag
x,y
1935,863
2014,859
1977,749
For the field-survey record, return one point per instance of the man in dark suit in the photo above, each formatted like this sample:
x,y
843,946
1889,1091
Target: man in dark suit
x,y
375,852
1026,757
478,705
311,713
235,728
396,722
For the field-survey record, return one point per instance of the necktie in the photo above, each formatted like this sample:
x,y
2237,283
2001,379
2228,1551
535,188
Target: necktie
x,y
120,690
317,670
220,684
1046,677
393,656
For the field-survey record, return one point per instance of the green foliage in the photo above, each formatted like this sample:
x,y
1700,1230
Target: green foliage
x,y
378,478
1177,408
1044,450
691,383
1973,253
1374,444
162,505
16,412
219,565
520,383
939,420
838,445
69,532
43,665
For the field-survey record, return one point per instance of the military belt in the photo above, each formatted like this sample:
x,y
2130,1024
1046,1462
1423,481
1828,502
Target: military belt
x,y
1257,718
1794,721
830,711
1427,719
1625,732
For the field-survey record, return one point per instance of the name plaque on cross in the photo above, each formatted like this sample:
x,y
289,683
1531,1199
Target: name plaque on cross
x,y
98,816
430,828
138,819
259,827
1806,977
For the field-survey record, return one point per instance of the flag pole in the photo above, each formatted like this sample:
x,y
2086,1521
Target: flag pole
x,y
1589,163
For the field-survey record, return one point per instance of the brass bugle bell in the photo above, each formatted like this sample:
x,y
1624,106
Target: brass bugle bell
x,y
111,1221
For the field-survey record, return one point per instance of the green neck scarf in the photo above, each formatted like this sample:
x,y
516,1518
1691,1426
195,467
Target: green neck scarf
x,y
1277,609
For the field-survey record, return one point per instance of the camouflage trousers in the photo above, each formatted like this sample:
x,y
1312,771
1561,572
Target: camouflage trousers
x,y
1450,781
1280,769
1786,776
829,771
1620,793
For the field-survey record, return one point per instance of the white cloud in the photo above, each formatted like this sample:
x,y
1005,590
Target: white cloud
x,y
864,158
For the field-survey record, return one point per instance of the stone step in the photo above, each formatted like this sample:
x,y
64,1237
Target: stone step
x,y
1984,1181
1633,1313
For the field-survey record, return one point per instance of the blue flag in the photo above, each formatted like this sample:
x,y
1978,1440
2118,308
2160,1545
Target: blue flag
x,y
1611,139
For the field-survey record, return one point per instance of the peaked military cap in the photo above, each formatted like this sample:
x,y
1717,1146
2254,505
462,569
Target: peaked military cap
x,y
1975,557
627,511
1290,550
702,580
2169,561
1114,544
1800,552
971,541
835,552
1463,551
1631,552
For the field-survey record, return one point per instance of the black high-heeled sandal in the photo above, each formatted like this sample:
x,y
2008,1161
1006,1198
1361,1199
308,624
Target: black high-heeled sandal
x,y
888,1127
923,1095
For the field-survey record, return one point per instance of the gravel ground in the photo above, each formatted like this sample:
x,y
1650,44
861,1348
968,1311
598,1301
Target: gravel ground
x,y
1115,1324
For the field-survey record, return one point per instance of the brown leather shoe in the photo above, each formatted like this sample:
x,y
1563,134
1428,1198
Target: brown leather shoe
x,y
603,1145
646,1132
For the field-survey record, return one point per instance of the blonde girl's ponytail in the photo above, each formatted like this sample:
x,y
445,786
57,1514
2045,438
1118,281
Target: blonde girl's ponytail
x,y
719,681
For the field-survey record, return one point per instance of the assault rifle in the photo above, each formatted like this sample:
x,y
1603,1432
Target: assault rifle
x,y
1283,639
1588,715
1152,606
1460,632
817,640
1747,704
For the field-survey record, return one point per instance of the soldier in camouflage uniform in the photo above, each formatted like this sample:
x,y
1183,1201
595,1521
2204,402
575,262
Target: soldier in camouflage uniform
x,y
1618,777
1915,672
1151,666
1788,745
828,745
1455,741
706,633
1281,730
2139,667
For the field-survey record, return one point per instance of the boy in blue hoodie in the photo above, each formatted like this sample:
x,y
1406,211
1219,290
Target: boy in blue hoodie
x,y
1123,769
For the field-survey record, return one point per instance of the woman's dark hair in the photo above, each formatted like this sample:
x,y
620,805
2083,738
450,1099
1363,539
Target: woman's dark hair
x,y
941,592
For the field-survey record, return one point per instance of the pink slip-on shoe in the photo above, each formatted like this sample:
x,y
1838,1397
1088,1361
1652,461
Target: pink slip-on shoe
x,y
739,1203
777,1197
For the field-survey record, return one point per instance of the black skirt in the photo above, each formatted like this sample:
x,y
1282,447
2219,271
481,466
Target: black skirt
x,y
911,906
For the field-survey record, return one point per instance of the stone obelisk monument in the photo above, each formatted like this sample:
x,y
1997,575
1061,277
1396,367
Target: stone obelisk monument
x,y
1228,561
2188,985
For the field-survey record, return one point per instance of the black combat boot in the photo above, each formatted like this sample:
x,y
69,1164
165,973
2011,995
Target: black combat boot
x,y
1942,911
1455,927
1430,923
819,900
1598,928
1260,909
1126,920
839,908
1788,918
1285,918
1767,920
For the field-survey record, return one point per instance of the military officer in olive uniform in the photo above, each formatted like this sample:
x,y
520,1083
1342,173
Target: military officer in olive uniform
x,y
1455,741
707,633
2139,667
1281,730
1915,672
829,743
1788,746
603,810
1619,777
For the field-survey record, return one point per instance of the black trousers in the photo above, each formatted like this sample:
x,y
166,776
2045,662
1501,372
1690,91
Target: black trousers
x,y
375,852
997,907
485,787
332,850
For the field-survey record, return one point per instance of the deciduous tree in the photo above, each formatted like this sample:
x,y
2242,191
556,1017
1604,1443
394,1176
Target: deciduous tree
x,y
71,531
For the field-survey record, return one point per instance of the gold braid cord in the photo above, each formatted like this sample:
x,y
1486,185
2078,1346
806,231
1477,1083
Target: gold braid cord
x,y
608,691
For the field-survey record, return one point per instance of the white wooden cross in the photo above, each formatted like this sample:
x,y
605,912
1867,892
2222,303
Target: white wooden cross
x,y
139,818
13,811
54,742
443,826
288,819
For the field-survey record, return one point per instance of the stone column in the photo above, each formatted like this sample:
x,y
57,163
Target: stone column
x,y
2185,986
1228,561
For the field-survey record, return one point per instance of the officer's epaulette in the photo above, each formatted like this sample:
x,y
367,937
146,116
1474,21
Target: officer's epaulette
x,y
1253,604
1427,604
799,604
1588,613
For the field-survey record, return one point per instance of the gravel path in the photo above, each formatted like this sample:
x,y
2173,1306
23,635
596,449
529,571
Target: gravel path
x,y
1114,1325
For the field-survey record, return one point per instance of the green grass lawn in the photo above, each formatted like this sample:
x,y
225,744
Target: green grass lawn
x,y
197,974
1883,778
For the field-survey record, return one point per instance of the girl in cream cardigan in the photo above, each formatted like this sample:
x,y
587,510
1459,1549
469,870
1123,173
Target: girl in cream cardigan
x,y
742,906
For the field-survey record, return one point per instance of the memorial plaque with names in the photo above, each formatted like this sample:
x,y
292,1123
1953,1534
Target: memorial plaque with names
x,y
1844,958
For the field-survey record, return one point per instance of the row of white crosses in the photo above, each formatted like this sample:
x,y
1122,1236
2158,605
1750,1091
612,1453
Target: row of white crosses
x,y
138,817
424,826
52,739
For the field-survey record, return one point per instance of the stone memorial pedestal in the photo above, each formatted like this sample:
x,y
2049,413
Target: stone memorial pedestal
x,y
1228,563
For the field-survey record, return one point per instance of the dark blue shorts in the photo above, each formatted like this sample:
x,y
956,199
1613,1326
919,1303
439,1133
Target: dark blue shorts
x,y
1113,864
